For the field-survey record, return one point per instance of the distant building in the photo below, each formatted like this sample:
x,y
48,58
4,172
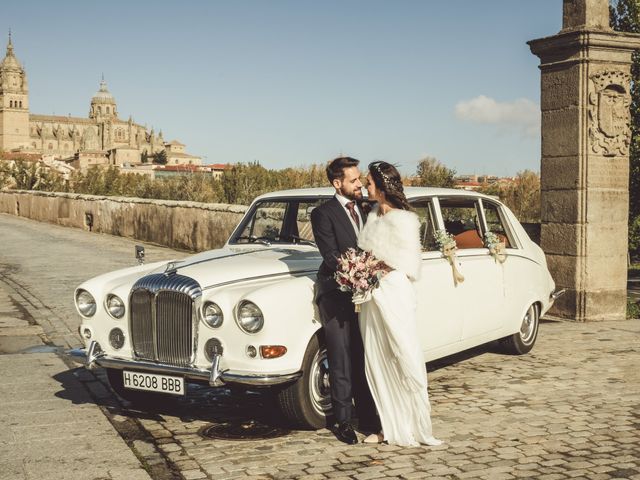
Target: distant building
x,y
100,139
215,170
476,182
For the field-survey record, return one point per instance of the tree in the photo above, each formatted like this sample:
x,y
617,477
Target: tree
x,y
160,157
243,182
625,17
432,173
5,177
27,175
522,195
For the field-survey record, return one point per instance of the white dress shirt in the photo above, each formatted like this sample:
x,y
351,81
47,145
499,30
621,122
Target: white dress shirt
x,y
343,201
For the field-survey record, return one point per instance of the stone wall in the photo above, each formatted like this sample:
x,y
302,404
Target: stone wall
x,y
182,225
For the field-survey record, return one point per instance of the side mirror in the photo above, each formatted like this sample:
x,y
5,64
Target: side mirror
x,y
140,254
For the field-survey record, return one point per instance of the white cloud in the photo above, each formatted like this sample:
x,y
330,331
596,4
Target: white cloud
x,y
521,115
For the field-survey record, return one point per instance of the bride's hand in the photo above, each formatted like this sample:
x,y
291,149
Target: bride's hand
x,y
383,269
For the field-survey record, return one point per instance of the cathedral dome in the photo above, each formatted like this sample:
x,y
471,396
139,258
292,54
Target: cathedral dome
x,y
103,105
10,61
103,95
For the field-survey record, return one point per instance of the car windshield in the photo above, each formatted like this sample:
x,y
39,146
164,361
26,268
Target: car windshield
x,y
278,221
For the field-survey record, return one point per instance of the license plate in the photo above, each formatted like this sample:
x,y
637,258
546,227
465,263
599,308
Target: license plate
x,y
152,382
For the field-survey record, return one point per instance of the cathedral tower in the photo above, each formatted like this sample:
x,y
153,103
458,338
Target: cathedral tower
x,y
14,103
103,111
103,105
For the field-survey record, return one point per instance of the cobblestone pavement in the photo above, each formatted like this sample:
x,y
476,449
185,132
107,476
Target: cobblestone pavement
x,y
50,425
569,409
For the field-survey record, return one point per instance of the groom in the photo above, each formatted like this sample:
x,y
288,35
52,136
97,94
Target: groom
x,y
336,225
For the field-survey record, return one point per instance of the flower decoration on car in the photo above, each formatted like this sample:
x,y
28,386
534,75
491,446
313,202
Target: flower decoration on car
x,y
496,247
447,245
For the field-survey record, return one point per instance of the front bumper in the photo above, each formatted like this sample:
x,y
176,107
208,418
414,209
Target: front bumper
x,y
93,356
556,294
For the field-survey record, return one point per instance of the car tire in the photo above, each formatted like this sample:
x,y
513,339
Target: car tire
x,y
307,402
523,340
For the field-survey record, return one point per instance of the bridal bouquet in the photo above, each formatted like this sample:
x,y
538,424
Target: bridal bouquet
x,y
358,272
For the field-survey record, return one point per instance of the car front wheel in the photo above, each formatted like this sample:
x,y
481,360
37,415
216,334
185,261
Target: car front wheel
x,y
307,402
522,341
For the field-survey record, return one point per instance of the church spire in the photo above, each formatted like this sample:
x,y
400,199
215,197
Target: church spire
x,y
10,62
10,46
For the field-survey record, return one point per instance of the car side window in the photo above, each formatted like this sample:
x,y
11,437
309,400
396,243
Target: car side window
x,y
267,222
303,221
460,216
494,222
279,221
424,210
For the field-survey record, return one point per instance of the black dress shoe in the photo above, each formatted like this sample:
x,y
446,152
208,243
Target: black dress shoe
x,y
345,433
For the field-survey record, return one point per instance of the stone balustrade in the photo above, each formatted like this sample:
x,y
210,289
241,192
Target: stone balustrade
x,y
188,226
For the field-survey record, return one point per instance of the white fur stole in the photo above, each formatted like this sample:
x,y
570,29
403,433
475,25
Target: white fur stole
x,y
395,239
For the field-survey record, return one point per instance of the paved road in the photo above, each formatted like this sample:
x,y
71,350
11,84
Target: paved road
x,y
570,409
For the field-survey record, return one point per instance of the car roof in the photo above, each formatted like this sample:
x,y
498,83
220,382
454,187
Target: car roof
x,y
410,192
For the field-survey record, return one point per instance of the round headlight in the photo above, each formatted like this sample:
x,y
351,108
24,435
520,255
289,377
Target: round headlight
x,y
250,318
86,303
115,306
212,314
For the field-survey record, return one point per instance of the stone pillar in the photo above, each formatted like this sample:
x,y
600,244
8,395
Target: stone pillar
x,y
585,160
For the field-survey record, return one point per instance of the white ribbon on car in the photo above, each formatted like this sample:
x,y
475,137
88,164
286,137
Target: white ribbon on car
x,y
497,251
449,251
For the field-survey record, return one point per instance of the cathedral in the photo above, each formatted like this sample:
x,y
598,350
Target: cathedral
x,y
100,139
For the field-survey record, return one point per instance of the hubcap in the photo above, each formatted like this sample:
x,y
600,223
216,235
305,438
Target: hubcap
x,y
528,327
319,383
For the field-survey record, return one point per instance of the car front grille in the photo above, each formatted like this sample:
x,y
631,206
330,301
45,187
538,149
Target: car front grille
x,y
163,318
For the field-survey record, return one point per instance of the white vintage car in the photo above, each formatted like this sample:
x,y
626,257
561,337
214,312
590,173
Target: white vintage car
x,y
244,315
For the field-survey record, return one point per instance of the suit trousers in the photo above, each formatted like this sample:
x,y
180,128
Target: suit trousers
x,y
345,354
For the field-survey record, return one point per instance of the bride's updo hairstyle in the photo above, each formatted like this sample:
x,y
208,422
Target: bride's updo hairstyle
x,y
388,180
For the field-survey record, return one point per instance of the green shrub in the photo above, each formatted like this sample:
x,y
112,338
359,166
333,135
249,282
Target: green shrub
x,y
633,309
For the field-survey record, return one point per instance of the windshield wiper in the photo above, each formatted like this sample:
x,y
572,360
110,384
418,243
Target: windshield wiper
x,y
254,239
303,241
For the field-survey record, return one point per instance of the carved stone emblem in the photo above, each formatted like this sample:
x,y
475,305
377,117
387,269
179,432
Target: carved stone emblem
x,y
609,117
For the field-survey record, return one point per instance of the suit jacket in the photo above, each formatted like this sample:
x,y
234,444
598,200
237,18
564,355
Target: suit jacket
x,y
334,235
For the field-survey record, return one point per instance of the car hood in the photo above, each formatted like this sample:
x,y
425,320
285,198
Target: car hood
x,y
230,265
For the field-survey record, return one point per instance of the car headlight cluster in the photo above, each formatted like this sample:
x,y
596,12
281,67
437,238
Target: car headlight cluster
x,y
212,314
86,303
115,306
249,317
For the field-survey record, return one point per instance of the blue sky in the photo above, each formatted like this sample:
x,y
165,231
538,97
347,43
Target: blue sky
x,y
296,82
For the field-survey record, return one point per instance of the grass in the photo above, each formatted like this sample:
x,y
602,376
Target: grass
x,y
633,309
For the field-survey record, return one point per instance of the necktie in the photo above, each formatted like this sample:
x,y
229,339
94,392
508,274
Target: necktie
x,y
351,206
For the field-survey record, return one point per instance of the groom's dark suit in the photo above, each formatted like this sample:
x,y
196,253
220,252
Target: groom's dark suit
x,y
334,234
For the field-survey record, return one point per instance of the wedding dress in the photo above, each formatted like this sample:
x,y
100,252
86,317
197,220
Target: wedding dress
x,y
394,362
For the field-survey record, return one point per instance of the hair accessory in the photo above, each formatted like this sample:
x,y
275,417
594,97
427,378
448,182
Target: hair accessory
x,y
389,183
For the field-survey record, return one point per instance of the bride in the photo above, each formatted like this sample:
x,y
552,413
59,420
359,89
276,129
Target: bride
x,y
394,362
